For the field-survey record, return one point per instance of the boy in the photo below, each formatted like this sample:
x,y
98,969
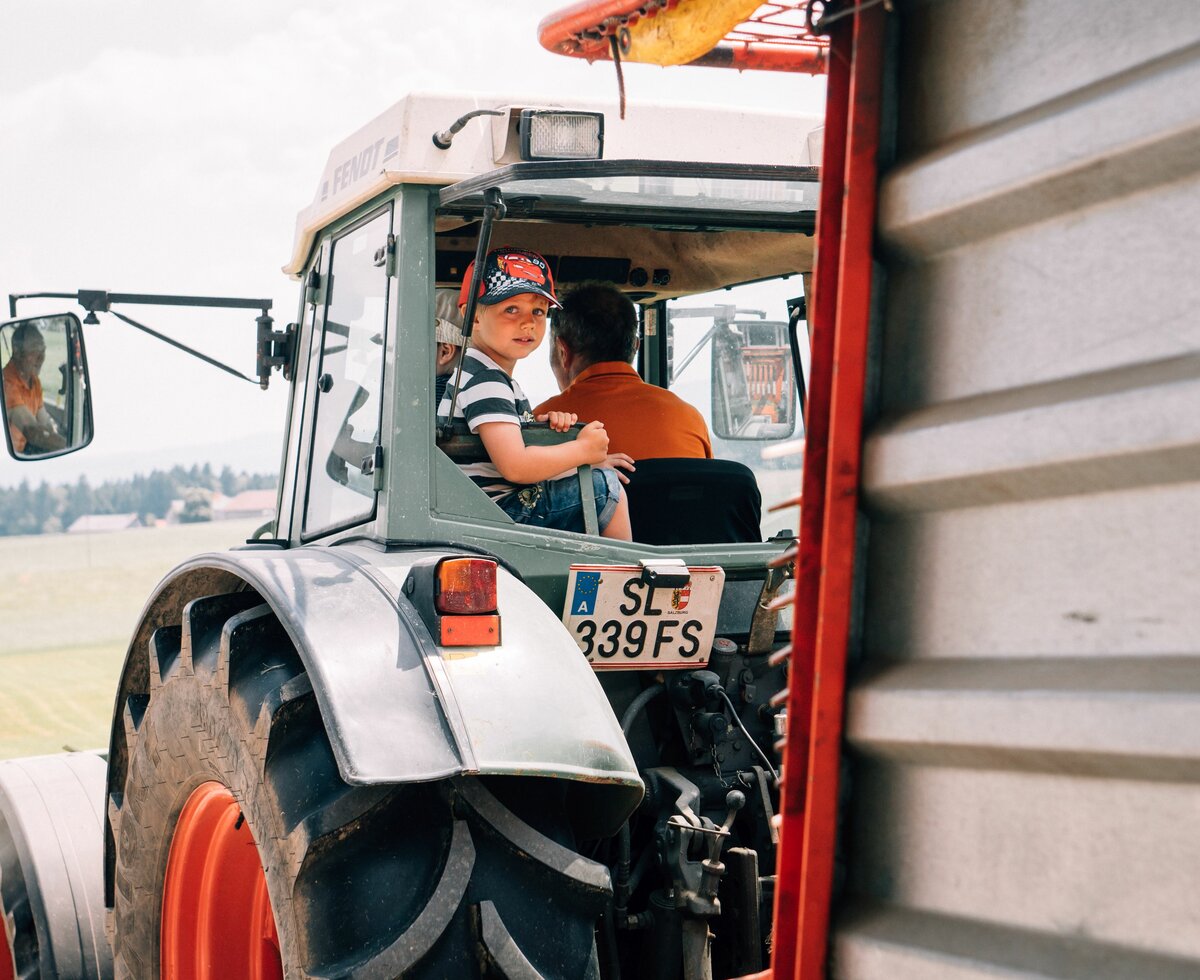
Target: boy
x,y
447,326
528,483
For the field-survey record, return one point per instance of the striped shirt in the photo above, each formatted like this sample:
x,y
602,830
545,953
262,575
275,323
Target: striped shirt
x,y
485,394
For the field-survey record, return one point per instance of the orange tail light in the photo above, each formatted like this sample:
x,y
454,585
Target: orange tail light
x,y
465,586
465,600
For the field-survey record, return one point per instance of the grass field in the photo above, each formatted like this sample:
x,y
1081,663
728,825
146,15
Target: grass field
x,y
68,606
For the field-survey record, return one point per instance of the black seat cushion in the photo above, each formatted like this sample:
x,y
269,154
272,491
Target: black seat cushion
x,y
694,501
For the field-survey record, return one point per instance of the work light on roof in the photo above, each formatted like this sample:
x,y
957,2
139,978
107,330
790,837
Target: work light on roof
x,y
555,134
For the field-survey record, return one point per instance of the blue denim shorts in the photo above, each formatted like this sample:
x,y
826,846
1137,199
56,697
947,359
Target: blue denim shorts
x,y
557,504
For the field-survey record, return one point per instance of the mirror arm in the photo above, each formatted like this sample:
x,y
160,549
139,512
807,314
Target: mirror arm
x,y
692,354
183,347
724,314
14,298
796,315
100,301
274,348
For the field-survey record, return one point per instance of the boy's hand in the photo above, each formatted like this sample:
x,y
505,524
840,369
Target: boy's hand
x,y
559,421
618,462
593,440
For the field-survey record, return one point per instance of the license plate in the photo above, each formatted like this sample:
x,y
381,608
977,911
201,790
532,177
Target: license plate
x,y
621,623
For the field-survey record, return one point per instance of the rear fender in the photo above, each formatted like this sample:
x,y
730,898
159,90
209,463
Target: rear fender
x,y
396,707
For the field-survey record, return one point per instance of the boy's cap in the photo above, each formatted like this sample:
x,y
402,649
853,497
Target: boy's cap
x,y
510,272
447,319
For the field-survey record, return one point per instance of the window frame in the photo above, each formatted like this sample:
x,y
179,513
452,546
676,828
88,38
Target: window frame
x,y
465,198
316,363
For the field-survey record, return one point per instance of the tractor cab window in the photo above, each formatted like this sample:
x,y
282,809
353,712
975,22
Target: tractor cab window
x,y
349,382
673,237
728,353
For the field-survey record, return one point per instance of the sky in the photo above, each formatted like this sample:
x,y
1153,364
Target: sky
x,y
158,147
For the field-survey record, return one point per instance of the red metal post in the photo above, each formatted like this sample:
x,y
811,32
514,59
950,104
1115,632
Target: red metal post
x,y
825,563
842,465
808,562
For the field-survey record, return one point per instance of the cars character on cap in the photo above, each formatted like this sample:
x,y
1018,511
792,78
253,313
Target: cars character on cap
x,y
509,272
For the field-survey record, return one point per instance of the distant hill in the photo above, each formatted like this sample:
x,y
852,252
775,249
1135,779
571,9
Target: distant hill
x,y
180,494
257,452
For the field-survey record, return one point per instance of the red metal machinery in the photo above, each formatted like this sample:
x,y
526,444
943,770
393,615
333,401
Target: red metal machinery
x,y
779,36
741,34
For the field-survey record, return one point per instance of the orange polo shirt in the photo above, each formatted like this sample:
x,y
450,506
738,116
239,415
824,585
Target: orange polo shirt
x,y
19,394
643,420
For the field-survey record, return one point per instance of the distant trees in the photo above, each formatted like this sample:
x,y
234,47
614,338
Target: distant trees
x,y
47,509
229,482
197,506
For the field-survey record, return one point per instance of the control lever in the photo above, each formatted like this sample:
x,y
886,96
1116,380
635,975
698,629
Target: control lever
x,y
712,868
700,897
735,799
700,903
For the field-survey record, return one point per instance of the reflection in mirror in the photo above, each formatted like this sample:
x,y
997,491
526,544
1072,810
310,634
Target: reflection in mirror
x,y
753,387
47,403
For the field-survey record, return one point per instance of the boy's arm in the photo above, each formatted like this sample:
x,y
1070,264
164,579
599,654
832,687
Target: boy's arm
x,y
522,464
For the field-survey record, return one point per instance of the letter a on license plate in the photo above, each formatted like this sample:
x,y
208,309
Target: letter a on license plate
x,y
623,622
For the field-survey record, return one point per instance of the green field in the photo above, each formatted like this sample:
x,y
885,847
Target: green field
x,y
68,605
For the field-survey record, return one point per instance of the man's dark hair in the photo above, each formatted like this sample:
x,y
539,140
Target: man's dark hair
x,y
24,335
597,322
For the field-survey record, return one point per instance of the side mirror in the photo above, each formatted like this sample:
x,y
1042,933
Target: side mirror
x,y
753,381
47,404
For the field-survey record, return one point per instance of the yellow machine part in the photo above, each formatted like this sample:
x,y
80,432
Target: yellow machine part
x,y
685,32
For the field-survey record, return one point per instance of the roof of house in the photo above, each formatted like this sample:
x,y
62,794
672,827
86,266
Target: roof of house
x,y
248,501
103,522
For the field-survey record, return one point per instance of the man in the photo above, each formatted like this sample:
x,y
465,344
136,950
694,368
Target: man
x,y
593,342
30,427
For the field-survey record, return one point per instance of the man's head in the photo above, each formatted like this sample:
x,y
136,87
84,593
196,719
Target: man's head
x,y
447,328
596,322
28,350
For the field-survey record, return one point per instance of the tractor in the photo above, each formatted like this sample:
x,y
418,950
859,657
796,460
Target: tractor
x,y
395,733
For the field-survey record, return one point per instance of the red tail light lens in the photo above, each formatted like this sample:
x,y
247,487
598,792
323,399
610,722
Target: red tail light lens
x,y
465,586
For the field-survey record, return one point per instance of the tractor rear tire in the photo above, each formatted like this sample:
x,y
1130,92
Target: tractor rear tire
x,y
51,868
238,846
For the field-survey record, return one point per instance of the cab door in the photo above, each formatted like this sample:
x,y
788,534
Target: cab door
x,y
334,437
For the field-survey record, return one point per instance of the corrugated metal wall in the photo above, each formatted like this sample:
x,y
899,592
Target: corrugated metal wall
x,y
1024,720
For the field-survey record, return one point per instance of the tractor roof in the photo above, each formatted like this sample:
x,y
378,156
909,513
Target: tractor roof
x,y
397,146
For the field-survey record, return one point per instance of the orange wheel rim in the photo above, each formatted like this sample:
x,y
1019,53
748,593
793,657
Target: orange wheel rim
x,y
216,914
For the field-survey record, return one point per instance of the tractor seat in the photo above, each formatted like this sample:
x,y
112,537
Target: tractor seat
x,y
694,501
